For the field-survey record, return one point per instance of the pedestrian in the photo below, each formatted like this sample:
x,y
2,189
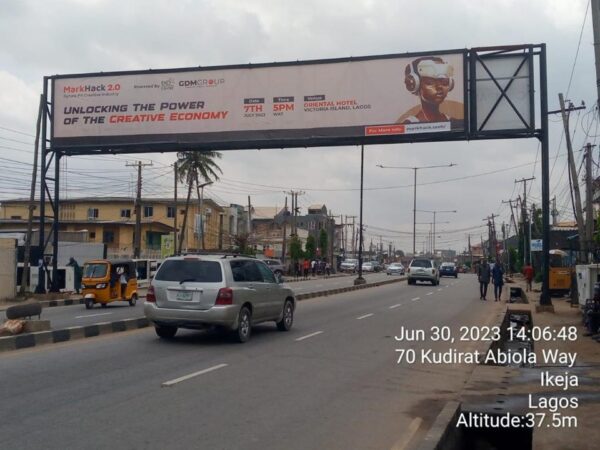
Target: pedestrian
x,y
306,267
123,280
528,272
296,269
483,275
328,269
498,280
313,267
77,274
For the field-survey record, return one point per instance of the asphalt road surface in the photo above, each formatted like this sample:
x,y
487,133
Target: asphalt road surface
x,y
76,315
332,382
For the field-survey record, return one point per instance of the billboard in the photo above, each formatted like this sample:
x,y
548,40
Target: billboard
x,y
357,100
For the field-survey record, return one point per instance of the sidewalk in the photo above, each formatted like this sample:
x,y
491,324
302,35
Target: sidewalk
x,y
499,387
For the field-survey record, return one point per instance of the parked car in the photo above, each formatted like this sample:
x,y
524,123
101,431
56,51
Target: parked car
x,y
377,267
349,265
395,269
368,266
421,269
230,292
276,266
448,269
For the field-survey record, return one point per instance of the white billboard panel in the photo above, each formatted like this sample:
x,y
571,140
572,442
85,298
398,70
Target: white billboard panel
x,y
512,74
355,98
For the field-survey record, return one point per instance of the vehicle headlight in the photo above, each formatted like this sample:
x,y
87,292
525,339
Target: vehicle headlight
x,y
100,285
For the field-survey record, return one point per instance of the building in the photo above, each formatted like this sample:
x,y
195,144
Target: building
x,y
111,220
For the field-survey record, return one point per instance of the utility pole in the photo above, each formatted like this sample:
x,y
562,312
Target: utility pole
x,y
596,27
573,172
554,212
137,239
25,274
524,215
284,242
470,251
589,209
175,206
249,218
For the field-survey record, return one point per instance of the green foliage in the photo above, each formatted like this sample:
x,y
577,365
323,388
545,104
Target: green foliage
x,y
515,262
310,249
323,242
242,247
194,164
296,248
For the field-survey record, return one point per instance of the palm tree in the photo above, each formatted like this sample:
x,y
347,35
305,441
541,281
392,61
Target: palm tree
x,y
191,166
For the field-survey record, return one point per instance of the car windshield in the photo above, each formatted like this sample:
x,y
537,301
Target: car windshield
x,y
395,265
95,270
421,263
351,261
449,265
190,270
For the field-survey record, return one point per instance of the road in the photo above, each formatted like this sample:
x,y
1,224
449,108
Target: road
x,y
332,382
76,315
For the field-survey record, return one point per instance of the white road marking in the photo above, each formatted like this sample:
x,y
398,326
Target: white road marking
x,y
365,316
308,336
415,299
192,375
93,315
396,305
403,442
429,293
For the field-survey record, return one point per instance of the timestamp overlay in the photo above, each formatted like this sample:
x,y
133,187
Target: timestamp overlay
x,y
555,375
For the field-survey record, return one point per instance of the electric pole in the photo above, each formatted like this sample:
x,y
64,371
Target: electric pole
x,y
284,242
589,209
573,172
137,238
596,28
524,215
175,206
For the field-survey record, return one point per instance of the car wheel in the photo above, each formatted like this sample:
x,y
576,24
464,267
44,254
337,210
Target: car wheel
x,y
456,276
89,303
244,329
287,318
104,305
133,300
165,331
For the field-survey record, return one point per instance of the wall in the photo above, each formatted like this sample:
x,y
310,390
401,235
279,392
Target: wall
x,y
8,268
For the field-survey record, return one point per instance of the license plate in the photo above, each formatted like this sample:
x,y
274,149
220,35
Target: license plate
x,y
184,296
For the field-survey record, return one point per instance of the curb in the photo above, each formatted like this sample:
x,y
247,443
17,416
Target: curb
x,y
21,341
440,435
67,334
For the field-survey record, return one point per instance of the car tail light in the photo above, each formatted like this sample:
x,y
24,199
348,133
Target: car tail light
x,y
150,296
224,297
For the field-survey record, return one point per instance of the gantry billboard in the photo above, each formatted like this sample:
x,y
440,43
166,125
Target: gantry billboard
x,y
390,98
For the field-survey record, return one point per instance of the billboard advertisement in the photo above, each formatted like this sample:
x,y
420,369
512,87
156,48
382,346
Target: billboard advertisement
x,y
309,103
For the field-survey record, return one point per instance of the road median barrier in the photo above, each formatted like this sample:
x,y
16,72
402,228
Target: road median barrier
x,y
28,340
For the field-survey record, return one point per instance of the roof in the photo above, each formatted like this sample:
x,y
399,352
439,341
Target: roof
x,y
317,206
87,222
265,212
128,200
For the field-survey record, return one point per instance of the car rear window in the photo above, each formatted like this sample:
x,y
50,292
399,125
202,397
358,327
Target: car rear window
x,y
448,265
190,270
421,263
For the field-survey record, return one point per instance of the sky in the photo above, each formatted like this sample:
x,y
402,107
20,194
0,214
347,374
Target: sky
x,y
46,37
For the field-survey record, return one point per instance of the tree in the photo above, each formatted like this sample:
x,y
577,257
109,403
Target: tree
x,y
310,247
323,243
295,248
191,166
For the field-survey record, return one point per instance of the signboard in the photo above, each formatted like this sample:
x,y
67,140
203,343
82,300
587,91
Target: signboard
x,y
167,245
307,103
536,245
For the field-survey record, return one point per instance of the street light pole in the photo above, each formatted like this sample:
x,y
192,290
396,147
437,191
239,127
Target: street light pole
x,y
434,222
415,193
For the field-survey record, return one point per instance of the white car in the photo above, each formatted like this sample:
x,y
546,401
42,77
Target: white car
x,y
349,265
395,269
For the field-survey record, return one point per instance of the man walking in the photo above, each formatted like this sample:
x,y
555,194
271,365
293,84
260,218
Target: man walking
x,y
498,280
483,275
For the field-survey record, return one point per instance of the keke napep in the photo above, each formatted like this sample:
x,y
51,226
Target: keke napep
x,y
105,281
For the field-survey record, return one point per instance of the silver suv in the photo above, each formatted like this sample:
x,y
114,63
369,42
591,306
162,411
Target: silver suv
x,y
421,269
227,291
